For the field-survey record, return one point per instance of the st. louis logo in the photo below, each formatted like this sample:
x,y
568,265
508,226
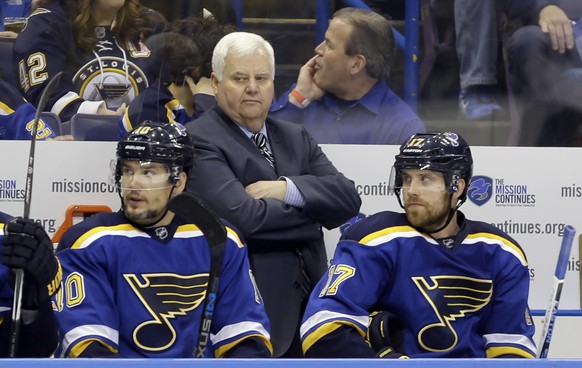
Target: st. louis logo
x,y
480,190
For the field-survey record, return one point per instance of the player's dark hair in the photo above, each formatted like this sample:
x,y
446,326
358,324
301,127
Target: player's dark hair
x,y
173,57
205,32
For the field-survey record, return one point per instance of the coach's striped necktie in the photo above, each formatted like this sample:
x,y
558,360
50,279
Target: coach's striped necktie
x,y
261,142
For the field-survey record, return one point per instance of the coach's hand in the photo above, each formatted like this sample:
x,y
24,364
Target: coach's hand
x,y
27,246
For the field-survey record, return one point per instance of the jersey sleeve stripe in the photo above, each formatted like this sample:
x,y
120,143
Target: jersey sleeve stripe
x,y
390,233
498,351
220,351
126,121
101,333
79,348
325,322
64,101
505,244
230,331
246,329
501,344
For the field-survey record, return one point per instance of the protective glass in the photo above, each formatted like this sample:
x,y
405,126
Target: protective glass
x,y
140,175
418,179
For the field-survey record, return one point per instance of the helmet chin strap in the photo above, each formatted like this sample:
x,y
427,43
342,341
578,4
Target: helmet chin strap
x,y
452,212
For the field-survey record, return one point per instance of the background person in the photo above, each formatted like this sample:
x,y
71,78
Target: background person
x,y
169,99
98,45
342,95
205,32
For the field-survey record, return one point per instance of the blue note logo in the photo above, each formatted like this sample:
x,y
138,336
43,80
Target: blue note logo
x,y
480,190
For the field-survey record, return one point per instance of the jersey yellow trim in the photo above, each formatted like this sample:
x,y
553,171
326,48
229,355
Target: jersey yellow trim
x,y
234,236
187,227
219,353
501,239
389,230
326,329
95,230
80,347
7,109
498,351
127,227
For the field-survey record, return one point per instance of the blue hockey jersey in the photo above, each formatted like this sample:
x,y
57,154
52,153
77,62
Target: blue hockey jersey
x,y
155,103
140,292
17,116
466,298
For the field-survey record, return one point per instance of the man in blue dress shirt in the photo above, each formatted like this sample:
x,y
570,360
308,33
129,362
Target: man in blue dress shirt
x,y
341,95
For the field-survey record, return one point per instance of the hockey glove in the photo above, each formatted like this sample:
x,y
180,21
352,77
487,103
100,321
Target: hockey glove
x,y
385,333
389,353
27,246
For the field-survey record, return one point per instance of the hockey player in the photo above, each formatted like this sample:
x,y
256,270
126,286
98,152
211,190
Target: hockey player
x,y
169,99
135,280
98,46
26,245
459,288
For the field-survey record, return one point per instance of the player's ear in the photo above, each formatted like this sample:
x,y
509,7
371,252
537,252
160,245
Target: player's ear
x,y
459,188
181,183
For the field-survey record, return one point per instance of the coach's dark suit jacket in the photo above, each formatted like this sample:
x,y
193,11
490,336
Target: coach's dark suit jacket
x,y
227,161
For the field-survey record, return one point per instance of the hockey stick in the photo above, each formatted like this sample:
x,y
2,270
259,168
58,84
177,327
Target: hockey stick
x,y
580,268
192,209
559,276
19,273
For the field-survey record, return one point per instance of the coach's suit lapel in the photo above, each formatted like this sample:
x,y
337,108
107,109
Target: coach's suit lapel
x,y
249,147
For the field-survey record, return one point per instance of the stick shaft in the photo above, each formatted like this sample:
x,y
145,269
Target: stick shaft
x,y
580,268
192,209
19,273
559,277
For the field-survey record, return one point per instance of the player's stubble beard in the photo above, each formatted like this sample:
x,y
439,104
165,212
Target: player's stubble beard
x,y
431,216
145,216
140,217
